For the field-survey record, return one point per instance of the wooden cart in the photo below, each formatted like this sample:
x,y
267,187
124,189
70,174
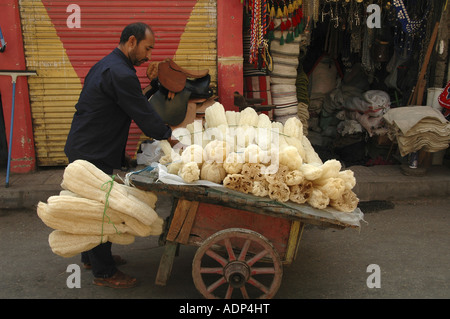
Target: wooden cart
x,y
243,240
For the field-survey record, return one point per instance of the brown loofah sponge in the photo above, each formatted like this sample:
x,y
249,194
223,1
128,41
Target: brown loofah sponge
x,y
238,182
278,175
254,171
300,192
279,191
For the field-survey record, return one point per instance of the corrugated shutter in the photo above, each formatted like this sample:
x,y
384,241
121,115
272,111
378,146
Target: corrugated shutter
x,y
185,31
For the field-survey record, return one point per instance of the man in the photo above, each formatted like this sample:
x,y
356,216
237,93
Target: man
x,y
110,99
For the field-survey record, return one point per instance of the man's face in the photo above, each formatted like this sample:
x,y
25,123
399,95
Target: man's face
x,y
141,52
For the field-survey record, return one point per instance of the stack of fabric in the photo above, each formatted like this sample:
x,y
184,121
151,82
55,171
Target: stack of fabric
x,y
417,128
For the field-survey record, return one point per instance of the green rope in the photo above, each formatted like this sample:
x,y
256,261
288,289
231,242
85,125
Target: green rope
x,y
104,187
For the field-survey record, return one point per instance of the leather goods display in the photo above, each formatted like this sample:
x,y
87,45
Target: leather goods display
x,y
172,111
200,87
173,77
186,84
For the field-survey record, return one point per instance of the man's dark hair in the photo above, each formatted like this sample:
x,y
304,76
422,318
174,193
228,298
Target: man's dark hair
x,y
137,29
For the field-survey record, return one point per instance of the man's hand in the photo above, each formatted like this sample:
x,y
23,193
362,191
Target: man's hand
x,y
172,141
152,71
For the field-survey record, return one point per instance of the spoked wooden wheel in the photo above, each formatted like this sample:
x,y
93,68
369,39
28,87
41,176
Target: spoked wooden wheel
x,y
237,263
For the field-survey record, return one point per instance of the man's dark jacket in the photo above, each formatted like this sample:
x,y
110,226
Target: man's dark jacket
x,y
110,99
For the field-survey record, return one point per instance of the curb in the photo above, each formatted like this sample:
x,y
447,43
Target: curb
x,y
25,199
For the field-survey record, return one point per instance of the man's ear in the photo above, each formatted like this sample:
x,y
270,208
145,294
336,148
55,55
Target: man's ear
x,y
132,41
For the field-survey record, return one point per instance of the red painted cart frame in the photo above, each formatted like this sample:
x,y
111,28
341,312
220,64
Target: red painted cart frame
x,y
243,225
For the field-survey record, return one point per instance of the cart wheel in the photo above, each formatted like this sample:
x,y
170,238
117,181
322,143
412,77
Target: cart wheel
x,y
241,263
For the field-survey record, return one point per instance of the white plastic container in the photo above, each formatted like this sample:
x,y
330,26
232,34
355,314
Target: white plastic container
x,y
432,98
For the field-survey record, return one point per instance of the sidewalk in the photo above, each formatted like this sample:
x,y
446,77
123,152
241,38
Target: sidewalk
x,y
26,190
383,182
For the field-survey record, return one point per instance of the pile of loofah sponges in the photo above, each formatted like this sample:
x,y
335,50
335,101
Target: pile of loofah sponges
x,y
247,152
94,209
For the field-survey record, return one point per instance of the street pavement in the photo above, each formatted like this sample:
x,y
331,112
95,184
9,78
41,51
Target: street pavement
x,y
403,241
408,240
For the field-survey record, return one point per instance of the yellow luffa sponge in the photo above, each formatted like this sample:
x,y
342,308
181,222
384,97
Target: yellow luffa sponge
x,y
68,245
213,172
189,172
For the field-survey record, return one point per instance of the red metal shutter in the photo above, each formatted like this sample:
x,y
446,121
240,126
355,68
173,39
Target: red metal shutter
x,y
62,56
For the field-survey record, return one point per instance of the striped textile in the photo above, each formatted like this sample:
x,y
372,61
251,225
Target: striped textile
x,y
258,87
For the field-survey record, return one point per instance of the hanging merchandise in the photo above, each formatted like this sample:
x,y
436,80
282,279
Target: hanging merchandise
x,y
287,17
376,49
250,69
286,28
311,9
301,85
258,30
345,27
255,30
366,55
408,25
257,58
408,32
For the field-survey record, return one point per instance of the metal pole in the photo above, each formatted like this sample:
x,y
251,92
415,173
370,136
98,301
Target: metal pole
x,y
11,129
13,74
